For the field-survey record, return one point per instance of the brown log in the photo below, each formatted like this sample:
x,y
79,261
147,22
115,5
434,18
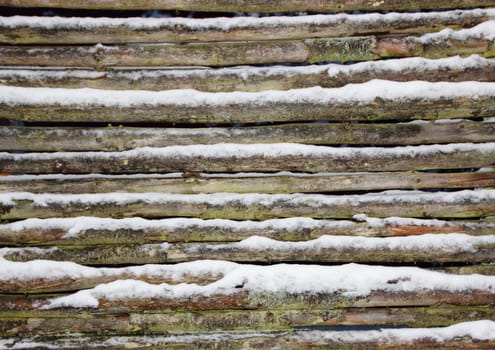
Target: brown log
x,y
48,233
346,49
250,6
462,204
122,138
69,284
250,158
92,31
203,183
14,305
296,252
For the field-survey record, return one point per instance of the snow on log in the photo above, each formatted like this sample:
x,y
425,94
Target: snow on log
x,y
252,287
423,249
253,158
72,30
83,231
44,276
245,78
373,100
460,204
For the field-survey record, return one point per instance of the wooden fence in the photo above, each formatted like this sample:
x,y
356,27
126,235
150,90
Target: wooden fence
x,y
247,174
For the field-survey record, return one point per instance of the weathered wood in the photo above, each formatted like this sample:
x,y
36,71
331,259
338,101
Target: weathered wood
x,y
296,105
265,184
462,204
320,251
256,341
60,322
119,138
61,232
14,305
38,30
482,269
256,78
252,158
347,49
250,6
283,183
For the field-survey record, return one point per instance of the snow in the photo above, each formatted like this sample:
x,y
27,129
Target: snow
x,y
221,199
412,64
485,30
240,151
476,330
452,243
398,221
349,279
351,93
228,24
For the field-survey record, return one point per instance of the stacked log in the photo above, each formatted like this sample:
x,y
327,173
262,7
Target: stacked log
x,y
264,180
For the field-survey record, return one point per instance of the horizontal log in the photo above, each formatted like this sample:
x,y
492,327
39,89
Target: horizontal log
x,y
60,323
249,6
232,293
64,277
84,231
60,276
59,30
439,248
461,204
463,335
51,139
215,54
15,307
453,69
67,284
374,100
245,183
251,158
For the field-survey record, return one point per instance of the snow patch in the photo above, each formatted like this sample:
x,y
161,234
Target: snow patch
x,y
485,30
412,64
452,242
351,93
122,198
349,279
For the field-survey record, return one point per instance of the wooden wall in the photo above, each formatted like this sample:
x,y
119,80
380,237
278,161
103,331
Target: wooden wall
x,y
247,174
